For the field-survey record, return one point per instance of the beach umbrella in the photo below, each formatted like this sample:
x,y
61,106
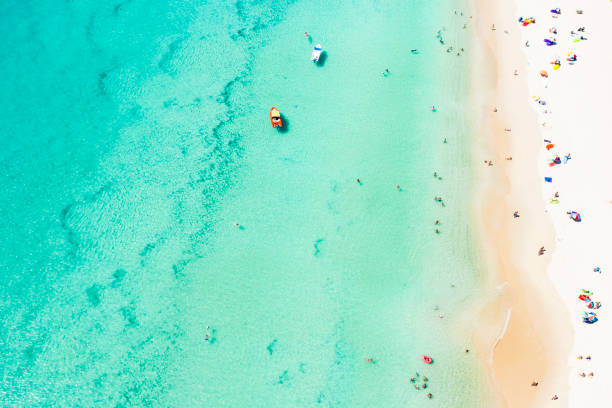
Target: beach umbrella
x,y
584,297
575,216
590,304
549,146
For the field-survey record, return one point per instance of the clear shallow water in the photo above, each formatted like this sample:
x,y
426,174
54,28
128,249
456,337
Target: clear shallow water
x,y
136,134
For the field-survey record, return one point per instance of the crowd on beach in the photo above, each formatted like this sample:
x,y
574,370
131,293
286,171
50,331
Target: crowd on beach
x,y
557,34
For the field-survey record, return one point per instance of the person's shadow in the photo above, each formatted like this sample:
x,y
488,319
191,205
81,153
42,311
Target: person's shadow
x,y
322,59
286,124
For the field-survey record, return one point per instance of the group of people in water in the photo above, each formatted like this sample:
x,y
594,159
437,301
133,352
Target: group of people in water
x,y
414,379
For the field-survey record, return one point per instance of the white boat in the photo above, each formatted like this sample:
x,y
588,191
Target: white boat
x,y
316,53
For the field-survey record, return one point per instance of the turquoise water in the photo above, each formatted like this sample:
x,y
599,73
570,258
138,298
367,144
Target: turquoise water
x,y
136,136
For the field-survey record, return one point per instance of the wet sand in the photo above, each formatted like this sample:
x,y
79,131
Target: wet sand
x,y
537,337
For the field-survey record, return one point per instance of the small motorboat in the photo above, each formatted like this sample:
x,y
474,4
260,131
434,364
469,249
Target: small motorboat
x,y
316,53
275,118
427,359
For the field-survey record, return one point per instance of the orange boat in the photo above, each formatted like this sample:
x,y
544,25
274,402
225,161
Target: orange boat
x,y
275,118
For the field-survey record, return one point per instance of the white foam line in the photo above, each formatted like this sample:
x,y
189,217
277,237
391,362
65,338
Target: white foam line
x,y
497,340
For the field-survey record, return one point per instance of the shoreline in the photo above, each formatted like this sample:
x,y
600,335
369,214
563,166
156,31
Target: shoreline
x,y
518,348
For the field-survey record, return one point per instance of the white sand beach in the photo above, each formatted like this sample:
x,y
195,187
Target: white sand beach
x,y
575,119
571,110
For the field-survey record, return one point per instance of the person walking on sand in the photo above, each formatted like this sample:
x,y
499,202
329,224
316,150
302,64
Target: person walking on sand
x,y
541,251
516,214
